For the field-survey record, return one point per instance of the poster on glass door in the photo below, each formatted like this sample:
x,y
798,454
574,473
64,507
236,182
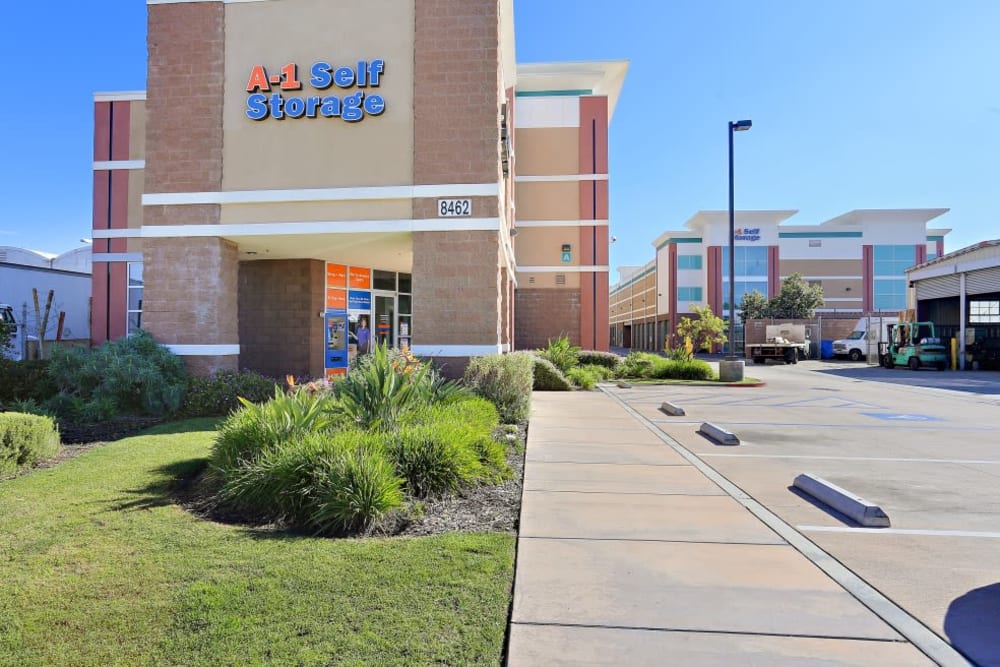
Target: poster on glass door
x,y
359,315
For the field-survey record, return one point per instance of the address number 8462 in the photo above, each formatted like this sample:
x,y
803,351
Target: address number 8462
x,y
454,208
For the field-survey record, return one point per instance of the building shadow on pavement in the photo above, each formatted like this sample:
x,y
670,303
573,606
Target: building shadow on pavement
x,y
976,382
973,625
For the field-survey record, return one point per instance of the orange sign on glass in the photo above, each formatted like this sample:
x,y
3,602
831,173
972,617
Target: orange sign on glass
x,y
360,278
336,298
335,372
336,275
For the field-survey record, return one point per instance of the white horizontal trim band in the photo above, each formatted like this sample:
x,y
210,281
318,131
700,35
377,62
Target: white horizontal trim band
x,y
857,299
373,193
204,350
123,96
119,164
457,350
303,228
564,269
562,223
839,310
560,178
116,257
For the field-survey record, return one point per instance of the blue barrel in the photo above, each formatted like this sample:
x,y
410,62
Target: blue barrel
x,y
826,349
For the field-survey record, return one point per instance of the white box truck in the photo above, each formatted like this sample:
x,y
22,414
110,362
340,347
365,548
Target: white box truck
x,y
863,341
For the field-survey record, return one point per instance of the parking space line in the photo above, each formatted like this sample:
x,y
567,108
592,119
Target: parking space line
x,y
887,459
899,531
895,426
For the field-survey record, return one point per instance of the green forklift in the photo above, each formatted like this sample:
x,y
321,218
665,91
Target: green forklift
x,y
913,344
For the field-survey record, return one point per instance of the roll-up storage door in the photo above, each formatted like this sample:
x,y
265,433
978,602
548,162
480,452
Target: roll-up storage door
x,y
940,287
983,281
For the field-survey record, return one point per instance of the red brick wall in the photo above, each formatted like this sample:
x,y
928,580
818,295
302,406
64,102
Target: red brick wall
x,y
185,84
190,293
543,314
280,329
456,127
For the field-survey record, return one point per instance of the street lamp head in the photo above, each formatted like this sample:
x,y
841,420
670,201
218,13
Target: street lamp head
x,y
740,125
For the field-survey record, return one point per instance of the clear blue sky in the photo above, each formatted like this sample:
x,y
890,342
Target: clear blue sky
x,y
855,104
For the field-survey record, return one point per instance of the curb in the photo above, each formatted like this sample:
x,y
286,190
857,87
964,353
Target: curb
x,y
720,435
852,506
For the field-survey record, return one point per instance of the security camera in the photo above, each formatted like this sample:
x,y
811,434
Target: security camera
x,y
614,238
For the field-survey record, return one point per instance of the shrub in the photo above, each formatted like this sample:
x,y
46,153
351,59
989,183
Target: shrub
x,y
561,353
505,380
471,425
432,460
549,378
640,365
256,429
332,483
582,378
601,373
381,388
25,380
355,487
219,394
25,440
694,369
598,358
132,375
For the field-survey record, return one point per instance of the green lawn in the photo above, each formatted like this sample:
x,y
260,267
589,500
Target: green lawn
x,y
99,567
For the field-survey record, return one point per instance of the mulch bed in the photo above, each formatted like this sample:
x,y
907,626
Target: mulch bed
x,y
494,508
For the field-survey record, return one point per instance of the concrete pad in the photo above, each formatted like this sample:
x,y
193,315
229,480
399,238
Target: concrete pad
x,y
599,453
573,433
561,646
611,478
679,586
641,517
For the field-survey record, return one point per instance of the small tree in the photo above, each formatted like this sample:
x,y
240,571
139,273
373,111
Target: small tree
x,y
6,335
797,299
754,306
705,331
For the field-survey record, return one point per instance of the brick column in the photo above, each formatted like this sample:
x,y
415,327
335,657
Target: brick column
x,y
190,295
457,94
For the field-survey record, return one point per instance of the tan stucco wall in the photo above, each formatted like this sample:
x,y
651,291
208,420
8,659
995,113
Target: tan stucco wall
x,y
319,152
821,267
553,150
542,246
547,200
317,211
137,130
136,183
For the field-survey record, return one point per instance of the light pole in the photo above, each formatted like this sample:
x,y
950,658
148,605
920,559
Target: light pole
x,y
733,367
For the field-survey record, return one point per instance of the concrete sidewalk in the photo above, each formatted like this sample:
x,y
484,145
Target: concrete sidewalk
x,y
629,555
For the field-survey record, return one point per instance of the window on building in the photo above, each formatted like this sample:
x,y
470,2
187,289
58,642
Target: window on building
x,y
686,262
689,294
890,294
751,261
134,297
984,312
894,260
742,287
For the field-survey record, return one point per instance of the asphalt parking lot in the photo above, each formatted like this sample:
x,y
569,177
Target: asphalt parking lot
x,y
923,445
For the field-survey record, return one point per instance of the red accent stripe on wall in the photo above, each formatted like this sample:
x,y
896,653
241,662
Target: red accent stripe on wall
x,y
773,271
672,284
594,298
921,253
118,306
102,131
99,303
867,277
714,275
940,247
121,124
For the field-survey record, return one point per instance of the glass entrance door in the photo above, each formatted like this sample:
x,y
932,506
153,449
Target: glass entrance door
x,y
384,318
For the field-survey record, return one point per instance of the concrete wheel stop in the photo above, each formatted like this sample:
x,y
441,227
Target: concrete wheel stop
x,y
719,434
672,409
850,505
622,384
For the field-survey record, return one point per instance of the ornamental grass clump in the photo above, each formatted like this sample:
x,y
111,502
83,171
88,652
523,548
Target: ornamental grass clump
x,y
25,440
563,354
506,380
